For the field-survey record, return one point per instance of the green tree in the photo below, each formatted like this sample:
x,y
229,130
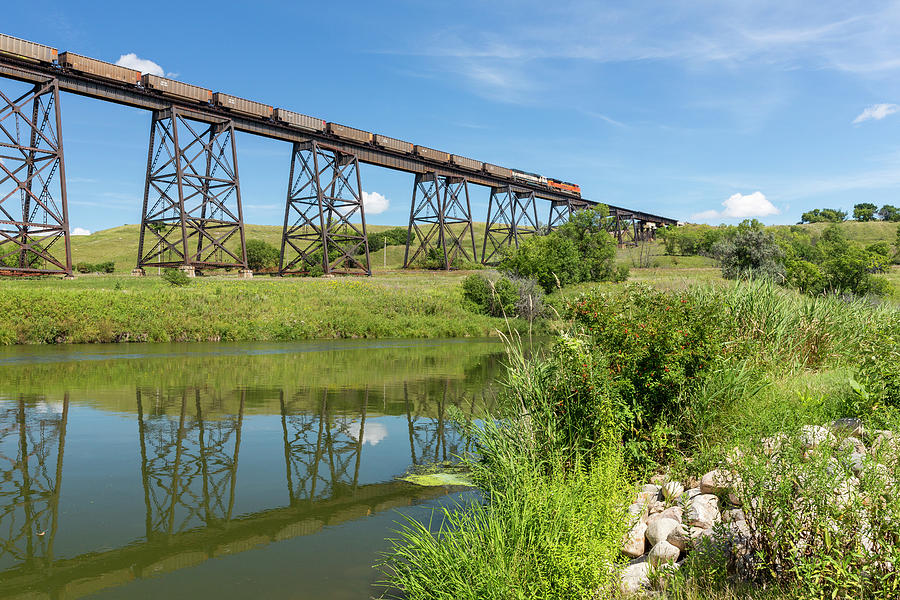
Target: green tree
x,y
823,215
864,211
596,248
889,213
261,255
548,259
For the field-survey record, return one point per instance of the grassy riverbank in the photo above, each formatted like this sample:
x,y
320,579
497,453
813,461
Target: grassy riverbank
x,y
678,379
122,308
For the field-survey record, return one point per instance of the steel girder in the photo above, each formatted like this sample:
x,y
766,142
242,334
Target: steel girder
x,y
324,196
511,213
434,221
192,196
34,214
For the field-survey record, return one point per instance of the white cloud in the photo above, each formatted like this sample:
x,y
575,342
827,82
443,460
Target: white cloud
x,y
740,206
375,203
81,231
373,433
133,61
876,112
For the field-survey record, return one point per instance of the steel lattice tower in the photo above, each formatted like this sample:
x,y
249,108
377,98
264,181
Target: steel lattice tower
x,y
324,196
34,214
441,219
192,215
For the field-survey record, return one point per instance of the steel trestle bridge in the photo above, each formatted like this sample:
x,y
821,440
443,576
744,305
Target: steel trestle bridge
x,y
192,216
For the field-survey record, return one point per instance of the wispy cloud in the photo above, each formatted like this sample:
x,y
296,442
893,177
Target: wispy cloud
x,y
876,112
81,231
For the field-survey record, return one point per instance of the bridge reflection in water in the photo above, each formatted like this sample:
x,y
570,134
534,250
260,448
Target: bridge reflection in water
x,y
190,444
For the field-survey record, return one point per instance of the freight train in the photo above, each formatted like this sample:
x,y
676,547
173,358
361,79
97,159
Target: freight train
x,y
91,67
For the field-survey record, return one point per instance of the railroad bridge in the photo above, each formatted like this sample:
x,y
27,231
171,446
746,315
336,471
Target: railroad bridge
x,y
192,217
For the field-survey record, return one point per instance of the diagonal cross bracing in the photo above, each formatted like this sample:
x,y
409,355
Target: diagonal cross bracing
x,y
34,220
192,212
511,214
324,216
440,221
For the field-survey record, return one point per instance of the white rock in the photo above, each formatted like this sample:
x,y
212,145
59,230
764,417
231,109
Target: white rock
x,y
857,463
852,427
703,511
638,510
715,482
732,515
811,436
690,493
773,445
679,537
651,488
662,553
672,490
853,444
673,512
659,530
635,541
635,577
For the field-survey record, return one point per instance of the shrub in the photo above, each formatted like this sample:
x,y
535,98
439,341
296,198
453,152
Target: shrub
x,y
503,296
659,345
262,256
175,277
84,267
750,252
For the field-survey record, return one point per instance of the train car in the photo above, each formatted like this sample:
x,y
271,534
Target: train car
x,y
393,144
432,154
299,121
349,133
99,68
501,172
176,89
529,177
466,163
19,48
242,105
564,186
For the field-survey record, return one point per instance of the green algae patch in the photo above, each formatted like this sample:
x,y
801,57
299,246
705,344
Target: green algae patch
x,y
438,479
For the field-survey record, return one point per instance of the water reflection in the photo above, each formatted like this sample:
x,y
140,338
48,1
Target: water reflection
x,y
338,452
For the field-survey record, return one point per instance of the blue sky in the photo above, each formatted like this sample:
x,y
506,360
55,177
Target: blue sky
x,y
705,111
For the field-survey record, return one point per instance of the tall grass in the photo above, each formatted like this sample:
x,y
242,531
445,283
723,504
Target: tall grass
x,y
548,523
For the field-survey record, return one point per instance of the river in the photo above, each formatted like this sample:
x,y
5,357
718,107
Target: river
x,y
223,470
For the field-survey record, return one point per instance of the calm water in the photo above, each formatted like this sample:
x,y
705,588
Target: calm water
x,y
221,471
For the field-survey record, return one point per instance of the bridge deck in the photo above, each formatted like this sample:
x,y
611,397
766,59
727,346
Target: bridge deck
x,y
138,97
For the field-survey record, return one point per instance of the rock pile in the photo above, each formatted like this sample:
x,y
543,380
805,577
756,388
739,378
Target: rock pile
x,y
670,519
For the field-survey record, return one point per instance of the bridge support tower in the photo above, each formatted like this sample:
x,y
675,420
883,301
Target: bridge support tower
x,y
440,218
511,214
324,199
34,214
192,216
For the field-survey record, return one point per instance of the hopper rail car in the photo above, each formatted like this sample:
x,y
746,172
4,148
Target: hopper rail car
x,y
178,236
